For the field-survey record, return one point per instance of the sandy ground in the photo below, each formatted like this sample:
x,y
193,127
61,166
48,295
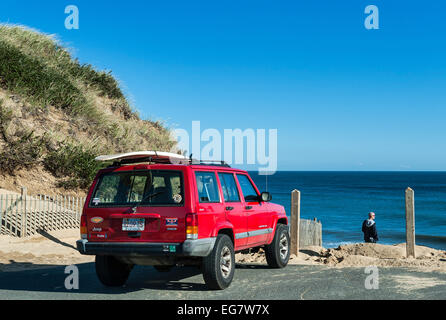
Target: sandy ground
x,y
54,248
363,255
58,248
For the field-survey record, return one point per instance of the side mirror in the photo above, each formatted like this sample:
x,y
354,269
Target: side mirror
x,y
266,196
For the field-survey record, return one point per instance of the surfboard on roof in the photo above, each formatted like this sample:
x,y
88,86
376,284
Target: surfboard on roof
x,y
155,155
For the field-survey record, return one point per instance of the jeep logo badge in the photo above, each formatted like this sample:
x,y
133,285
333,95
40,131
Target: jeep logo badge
x,y
96,219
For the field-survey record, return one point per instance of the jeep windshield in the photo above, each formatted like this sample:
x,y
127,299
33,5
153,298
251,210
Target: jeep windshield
x,y
141,188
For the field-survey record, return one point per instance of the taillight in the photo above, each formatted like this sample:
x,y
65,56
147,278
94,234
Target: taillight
x,y
84,226
191,226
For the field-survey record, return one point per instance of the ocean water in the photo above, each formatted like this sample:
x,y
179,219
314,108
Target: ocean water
x,y
342,200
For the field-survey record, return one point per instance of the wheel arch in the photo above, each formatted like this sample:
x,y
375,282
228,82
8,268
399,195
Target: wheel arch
x,y
282,221
278,219
229,232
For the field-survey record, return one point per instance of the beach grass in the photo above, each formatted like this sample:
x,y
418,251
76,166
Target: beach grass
x,y
61,114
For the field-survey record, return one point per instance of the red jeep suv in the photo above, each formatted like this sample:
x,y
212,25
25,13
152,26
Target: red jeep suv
x,y
146,210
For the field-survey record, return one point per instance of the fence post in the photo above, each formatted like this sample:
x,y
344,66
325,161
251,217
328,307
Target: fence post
x,y
410,223
295,221
23,193
41,214
1,213
320,233
5,214
18,217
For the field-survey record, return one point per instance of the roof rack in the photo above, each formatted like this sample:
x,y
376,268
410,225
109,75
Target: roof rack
x,y
219,163
157,157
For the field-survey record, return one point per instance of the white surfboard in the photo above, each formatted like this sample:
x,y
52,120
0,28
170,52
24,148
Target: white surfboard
x,y
156,155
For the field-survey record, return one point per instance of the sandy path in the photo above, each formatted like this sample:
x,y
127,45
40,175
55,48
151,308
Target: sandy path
x,y
54,248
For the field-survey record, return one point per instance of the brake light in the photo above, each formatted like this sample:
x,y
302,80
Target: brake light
x,y
191,226
84,226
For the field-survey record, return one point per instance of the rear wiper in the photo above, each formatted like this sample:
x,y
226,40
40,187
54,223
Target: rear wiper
x,y
147,198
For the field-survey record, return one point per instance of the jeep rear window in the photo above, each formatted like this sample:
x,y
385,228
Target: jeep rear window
x,y
145,188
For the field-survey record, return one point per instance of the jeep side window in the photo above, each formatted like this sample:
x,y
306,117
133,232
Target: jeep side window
x,y
207,187
229,187
248,190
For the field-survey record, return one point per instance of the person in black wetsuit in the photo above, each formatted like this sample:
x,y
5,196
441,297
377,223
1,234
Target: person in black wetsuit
x,y
369,229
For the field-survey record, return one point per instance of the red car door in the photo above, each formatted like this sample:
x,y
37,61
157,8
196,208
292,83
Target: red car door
x,y
258,215
234,207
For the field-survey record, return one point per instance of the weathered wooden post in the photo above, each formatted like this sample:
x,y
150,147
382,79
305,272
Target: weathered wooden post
x,y
410,223
295,221
1,212
23,192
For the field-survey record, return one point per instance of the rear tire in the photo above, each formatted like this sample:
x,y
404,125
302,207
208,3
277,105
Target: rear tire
x,y
278,252
112,272
219,265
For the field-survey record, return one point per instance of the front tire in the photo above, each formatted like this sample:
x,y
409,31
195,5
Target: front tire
x,y
219,265
112,272
278,252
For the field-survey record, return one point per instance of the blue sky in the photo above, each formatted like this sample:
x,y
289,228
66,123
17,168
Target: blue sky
x,y
342,97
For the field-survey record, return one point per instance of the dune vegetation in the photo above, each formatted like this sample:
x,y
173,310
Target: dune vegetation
x,y
57,115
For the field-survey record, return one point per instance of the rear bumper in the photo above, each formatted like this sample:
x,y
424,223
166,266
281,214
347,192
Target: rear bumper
x,y
189,248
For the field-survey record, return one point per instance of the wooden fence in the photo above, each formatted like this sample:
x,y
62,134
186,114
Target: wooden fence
x,y
303,232
310,233
22,215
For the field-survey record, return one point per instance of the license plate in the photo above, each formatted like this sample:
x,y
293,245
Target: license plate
x,y
133,224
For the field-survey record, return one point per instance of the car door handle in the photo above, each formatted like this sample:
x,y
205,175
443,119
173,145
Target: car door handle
x,y
248,207
229,208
